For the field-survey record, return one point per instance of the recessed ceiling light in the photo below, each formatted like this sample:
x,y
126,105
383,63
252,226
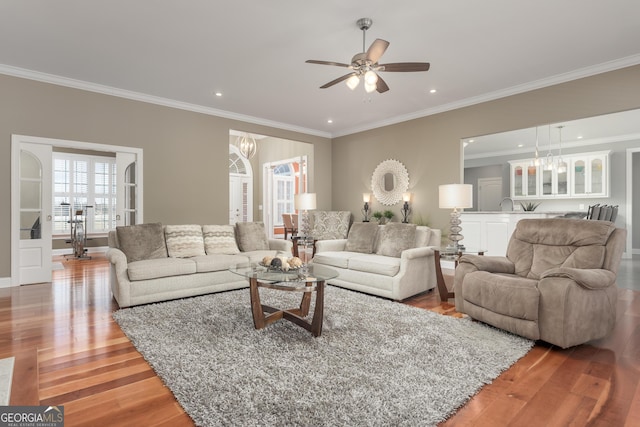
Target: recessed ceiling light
x,y
472,140
218,94
520,145
579,136
432,91
329,121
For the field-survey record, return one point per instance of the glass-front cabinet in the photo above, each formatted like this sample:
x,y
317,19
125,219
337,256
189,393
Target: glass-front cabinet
x,y
524,179
589,175
578,176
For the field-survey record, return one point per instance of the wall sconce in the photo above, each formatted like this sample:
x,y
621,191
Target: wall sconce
x,y
454,196
366,198
406,210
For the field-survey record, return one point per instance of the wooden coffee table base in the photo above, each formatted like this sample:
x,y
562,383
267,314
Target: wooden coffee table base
x,y
295,315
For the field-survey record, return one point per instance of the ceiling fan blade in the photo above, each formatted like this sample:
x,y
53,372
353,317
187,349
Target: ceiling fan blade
x,y
405,66
338,80
377,48
338,64
381,85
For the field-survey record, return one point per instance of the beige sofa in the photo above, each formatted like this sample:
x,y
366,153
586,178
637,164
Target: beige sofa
x,y
557,282
151,262
393,261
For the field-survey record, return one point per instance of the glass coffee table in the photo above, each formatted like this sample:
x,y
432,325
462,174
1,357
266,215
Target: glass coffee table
x,y
307,279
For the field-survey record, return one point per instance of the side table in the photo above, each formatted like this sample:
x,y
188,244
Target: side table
x,y
305,242
442,253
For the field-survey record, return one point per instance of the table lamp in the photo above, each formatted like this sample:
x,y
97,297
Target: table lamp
x,y
455,196
304,202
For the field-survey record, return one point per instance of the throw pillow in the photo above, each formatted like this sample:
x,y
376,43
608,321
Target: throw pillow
x,y
184,241
142,241
395,238
219,239
361,237
252,236
329,225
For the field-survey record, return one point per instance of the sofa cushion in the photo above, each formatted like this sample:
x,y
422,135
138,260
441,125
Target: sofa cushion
x,y
396,237
361,237
220,239
156,268
217,262
184,241
328,225
142,241
376,264
338,259
251,236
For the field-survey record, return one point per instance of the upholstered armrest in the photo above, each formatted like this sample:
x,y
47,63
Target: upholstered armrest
x,y
280,245
416,253
492,264
116,256
331,245
587,278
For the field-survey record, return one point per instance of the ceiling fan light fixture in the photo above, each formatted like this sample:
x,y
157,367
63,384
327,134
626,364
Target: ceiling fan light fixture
x,y
370,78
369,87
352,82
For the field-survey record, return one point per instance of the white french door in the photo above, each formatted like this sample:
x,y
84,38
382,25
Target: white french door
x,y
31,200
31,218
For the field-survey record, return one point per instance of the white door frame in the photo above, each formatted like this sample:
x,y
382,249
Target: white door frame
x,y
248,178
16,142
629,202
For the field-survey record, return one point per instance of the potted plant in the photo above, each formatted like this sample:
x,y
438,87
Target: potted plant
x,y
388,215
378,216
529,207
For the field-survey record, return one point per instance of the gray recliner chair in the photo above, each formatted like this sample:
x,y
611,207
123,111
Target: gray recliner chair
x,y
557,282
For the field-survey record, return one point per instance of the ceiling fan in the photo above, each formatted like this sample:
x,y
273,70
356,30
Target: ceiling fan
x,y
365,65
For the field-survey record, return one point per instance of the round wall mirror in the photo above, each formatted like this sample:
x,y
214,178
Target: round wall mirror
x,y
389,181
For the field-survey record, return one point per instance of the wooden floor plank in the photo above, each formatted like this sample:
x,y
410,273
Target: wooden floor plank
x,y
70,352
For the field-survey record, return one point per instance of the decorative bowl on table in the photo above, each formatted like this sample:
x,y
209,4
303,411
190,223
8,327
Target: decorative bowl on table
x,y
281,263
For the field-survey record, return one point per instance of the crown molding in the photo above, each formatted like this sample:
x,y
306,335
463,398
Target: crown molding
x,y
137,96
503,93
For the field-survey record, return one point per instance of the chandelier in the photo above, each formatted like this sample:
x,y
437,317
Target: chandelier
x,y
247,145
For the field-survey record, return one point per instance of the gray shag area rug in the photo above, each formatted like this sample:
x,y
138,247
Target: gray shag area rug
x,y
377,362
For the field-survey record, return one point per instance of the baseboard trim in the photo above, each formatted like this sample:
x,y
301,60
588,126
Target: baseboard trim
x,y
5,282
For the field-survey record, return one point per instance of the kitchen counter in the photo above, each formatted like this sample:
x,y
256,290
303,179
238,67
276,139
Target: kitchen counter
x,y
491,231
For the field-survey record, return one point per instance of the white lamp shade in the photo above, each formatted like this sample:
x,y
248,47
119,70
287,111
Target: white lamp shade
x,y
304,201
353,81
453,196
366,197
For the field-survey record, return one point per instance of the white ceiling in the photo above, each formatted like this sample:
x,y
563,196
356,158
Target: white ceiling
x,y
180,52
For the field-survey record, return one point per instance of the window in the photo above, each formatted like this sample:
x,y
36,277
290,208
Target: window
x,y
84,189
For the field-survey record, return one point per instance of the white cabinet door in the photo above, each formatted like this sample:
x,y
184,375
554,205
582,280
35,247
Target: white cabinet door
x,y
589,175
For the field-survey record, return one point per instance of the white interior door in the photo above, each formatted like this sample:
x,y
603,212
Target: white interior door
x,y
240,187
128,189
34,217
489,194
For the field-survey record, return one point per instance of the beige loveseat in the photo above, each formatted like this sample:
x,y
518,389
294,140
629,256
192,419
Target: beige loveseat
x,y
151,262
557,282
393,261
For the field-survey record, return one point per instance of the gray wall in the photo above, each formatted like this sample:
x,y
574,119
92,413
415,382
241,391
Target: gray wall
x,y
185,153
636,201
430,146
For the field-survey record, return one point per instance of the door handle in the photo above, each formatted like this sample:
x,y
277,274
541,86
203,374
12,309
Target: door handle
x,y
49,218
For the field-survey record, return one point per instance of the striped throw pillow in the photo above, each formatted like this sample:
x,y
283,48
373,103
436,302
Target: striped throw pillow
x,y
184,241
220,239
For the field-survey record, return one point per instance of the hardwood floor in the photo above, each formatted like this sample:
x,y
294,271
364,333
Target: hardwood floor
x,y
70,352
